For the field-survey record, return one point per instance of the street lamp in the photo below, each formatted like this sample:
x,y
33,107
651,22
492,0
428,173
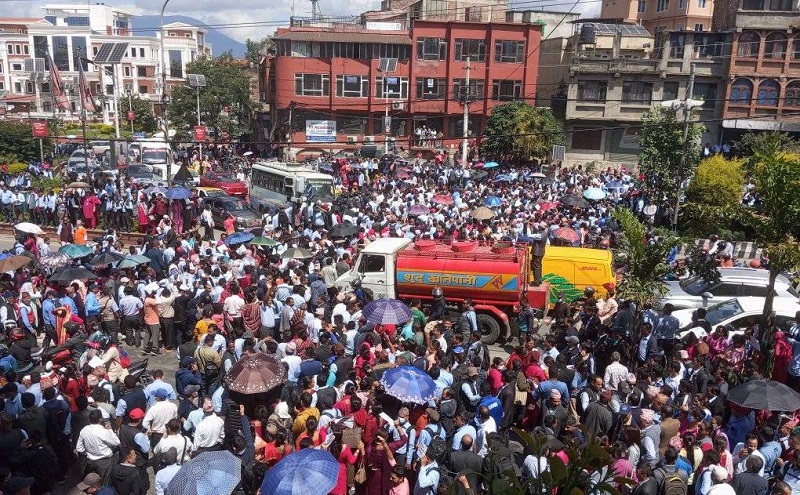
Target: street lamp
x,y
131,116
164,97
197,81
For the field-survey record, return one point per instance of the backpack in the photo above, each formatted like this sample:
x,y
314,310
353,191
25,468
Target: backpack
x,y
672,484
438,449
462,402
124,357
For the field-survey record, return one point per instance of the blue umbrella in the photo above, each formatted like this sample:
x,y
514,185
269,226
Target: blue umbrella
x,y
326,167
239,238
502,178
409,384
387,312
492,201
75,250
306,472
594,194
178,193
491,165
210,473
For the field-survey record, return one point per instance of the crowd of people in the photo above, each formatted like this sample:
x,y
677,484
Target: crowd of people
x,y
658,412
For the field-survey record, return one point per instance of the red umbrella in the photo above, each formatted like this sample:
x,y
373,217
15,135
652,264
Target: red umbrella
x,y
255,374
547,206
444,199
567,233
402,175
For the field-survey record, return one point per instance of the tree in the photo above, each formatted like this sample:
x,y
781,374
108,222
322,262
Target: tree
x,y
144,119
224,102
17,142
644,259
756,146
256,49
714,196
666,160
519,132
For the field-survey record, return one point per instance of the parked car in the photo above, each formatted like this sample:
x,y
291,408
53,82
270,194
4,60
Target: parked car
x,y
141,174
100,147
222,206
740,312
209,192
226,182
694,292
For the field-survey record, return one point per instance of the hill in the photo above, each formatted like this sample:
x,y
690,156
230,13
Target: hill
x,y
148,25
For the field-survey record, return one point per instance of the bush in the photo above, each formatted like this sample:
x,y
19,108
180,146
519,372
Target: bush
x,y
18,167
717,182
10,158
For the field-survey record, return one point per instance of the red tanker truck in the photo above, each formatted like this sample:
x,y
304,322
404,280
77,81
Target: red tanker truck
x,y
495,277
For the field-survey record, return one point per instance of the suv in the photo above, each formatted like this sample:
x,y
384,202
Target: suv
x,y
694,292
100,147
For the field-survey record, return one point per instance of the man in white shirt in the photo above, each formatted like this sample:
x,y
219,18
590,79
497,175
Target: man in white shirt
x,y
486,427
292,361
155,421
209,433
97,441
233,309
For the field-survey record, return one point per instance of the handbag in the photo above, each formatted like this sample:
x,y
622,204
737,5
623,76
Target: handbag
x,y
361,473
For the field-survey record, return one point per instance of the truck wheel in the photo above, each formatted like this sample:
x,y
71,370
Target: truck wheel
x,y
490,329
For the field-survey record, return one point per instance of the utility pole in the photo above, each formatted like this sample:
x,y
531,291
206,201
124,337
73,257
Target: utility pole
x,y
465,135
687,120
288,153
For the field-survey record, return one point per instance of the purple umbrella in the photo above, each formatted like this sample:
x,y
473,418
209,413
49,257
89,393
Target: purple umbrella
x,y
387,312
418,210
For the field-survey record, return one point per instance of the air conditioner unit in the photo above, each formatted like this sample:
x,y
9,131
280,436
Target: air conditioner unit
x,y
398,105
369,139
352,139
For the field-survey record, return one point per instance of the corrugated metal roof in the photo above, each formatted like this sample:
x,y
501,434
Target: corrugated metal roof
x,y
349,37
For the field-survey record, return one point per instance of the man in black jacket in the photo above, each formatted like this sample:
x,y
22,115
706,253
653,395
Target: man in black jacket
x,y
126,477
467,462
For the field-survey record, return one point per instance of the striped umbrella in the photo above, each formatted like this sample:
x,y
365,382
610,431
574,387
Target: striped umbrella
x,y
306,472
387,312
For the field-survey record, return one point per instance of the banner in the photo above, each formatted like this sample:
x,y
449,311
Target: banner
x,y
86,96
321,131
39,128
57,86
200,133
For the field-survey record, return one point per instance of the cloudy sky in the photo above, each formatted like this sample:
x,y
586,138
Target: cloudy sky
x,y
254,19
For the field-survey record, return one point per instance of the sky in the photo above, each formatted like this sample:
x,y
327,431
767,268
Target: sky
x,y
253,19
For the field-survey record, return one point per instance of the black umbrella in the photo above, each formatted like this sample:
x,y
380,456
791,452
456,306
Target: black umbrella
x,y
72,273
575,202
106,258
345,229
479,175
765,394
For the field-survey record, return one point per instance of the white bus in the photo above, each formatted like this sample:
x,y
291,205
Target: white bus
x,y
153,153
278,183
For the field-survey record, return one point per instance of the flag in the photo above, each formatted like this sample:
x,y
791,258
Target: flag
x,y
86,96
57,86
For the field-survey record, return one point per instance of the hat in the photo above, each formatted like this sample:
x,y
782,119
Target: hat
x,y
572,339
137,413
719,473
16,484
190,389
91,287
183,287
186,361
702,349
683,354
605,395
248,335
555,394
647,415
433,414
458,350
91,479
403,412
95,362
160,393
472,371
282,410
624,409
609,286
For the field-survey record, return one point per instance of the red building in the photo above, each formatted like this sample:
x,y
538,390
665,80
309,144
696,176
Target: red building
x,y
335,75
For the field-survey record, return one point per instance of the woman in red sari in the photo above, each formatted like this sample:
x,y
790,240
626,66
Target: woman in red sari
x,y
782,357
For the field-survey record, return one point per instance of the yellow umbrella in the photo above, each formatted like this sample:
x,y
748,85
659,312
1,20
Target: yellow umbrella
x,y
482,213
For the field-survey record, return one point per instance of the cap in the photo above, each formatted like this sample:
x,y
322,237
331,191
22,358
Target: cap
x,y
572,339
16,484
472,371
160,393
605,395
555,394
186,361
191,389
136,414
719,473
458,350
248,335
433,414
94,287
624,409
91,479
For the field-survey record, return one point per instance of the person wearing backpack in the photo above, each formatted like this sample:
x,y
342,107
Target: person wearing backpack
x,y
430,433
670,479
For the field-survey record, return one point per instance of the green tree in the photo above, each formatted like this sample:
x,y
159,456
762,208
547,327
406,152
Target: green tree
x,y
224,102
256,49
757,146
714,196
519,132
666,160
17,142
144,119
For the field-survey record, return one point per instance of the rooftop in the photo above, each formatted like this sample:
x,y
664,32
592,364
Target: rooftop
x,y
346,36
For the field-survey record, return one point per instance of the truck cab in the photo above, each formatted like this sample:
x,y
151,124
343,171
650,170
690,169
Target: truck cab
x,y
375,267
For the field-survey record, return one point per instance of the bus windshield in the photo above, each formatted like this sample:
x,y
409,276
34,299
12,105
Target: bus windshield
x,y
322,189
154,155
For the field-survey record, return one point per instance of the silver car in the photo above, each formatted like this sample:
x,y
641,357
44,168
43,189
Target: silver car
x,y
694,292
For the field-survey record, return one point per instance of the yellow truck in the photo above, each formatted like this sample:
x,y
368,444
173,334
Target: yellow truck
x,y
572,269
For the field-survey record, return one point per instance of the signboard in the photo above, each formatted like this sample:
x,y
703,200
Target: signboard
x,y
559,152
39,128
200,133
131,116
139,135
321,131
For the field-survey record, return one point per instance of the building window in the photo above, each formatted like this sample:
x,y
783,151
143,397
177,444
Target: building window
x,y
701,4
681,4
698,27
768,92
312,84
126,71
141,52
25,50
431,88
748,44
476,90
16,67
473,48
394,87
29,87
741,92
503,89
45,87
40,50
662,5
2,85
176,63
592,91
509,51
586,139
670,91
637,92
706,92
60,52
133,52
708,45
79,52
641,6
677,45
352,86
431,49
141,71
792,97
796,47
775,46
771,5
18,87
77,21
142,90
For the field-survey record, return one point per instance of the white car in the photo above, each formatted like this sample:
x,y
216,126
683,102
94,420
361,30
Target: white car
x,y
694,292
739,312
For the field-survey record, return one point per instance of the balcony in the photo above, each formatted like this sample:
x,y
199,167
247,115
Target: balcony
x,y
614,66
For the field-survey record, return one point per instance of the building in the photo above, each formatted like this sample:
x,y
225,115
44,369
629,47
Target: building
x,y
763,83
617,72
405,11
336,86
661,15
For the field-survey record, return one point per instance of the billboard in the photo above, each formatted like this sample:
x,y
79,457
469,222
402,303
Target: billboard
x,y
321,131
199,133
39,128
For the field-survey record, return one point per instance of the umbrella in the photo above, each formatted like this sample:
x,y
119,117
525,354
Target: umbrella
x,y
538,175
306,472
138,258
417,210
502,178
409,384
78,185
575,201
387,311
255,374
239,238
126,263
491,165
54,260
29,228
344,229
106,258
12,263
567,233
210,473
594,194
482,213
326,167
297,254
765,394
402,175
178,193
479,175
75,250
156,190
263,241
444,199
546,206
72,273
492,201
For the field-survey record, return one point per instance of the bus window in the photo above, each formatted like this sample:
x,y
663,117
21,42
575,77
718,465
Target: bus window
x,y
288,184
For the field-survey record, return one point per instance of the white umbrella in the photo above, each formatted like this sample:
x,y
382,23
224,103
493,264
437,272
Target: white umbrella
x,y
29,228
